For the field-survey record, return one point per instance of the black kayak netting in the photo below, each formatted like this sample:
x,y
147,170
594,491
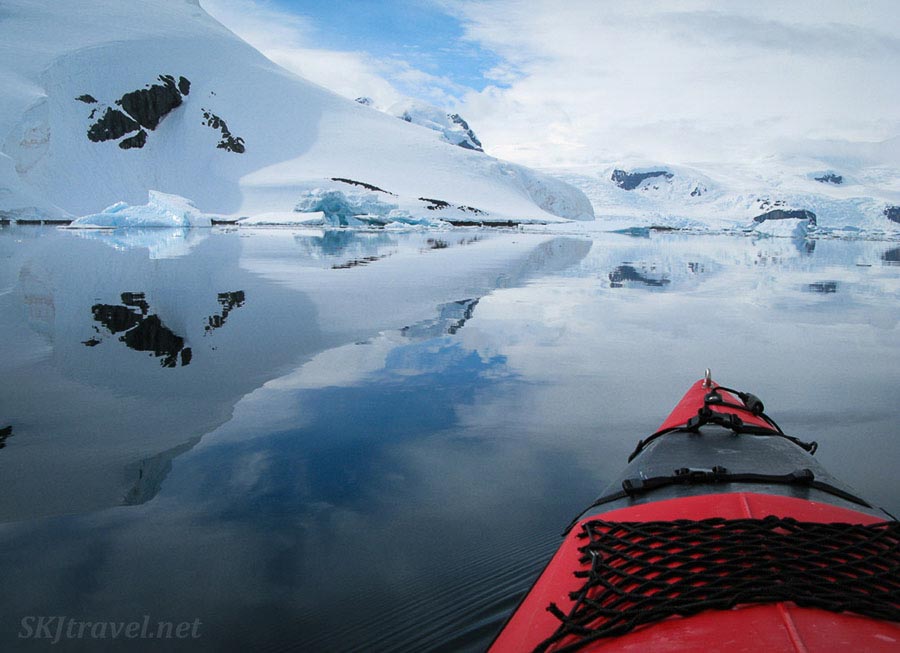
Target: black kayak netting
x,y
637,573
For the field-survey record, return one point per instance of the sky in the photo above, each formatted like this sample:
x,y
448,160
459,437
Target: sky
x,y
589,82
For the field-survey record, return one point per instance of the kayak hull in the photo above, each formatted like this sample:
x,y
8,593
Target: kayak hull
x,y
671,479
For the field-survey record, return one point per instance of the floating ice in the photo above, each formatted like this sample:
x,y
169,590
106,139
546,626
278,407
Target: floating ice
x,y
354,209
162,210
283,218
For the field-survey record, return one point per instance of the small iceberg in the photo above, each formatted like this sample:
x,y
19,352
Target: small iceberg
x,y
161,210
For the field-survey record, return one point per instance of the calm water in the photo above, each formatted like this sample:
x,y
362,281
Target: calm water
x,y
339,441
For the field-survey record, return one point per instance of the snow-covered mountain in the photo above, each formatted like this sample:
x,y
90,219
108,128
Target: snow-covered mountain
x,y
830,190
451,126
103,101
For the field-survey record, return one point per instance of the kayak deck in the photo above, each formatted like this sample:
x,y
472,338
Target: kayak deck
x,y
744,468
781,626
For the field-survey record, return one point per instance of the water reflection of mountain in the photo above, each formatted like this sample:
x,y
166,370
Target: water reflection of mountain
x,y
145,331
5,432
892,256
229,302
115,426
823,287
451,318
87,409
628,272
149,474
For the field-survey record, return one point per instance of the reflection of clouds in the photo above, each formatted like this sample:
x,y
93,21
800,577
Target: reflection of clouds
x,y
341,366
350,496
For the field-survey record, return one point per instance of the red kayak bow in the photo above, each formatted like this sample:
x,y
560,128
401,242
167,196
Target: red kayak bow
x,y
723,534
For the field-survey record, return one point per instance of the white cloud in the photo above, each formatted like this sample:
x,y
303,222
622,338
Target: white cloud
x,y
695,80
600,81
286,39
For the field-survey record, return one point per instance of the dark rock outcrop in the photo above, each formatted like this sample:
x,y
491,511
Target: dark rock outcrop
x,y
150,105
765,202
229,142
138,140
440,205
365,101
362,184
631,180
787,214
113,124
830,178
892,213
435,205
144,107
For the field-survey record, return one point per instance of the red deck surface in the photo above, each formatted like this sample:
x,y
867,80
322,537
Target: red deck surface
x,y
693,401
775,627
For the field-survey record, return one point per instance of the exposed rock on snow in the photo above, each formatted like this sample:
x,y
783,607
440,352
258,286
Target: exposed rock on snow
x,y
362,184
138,140
791,214
228,142
112,124
631,180
830,178
892,213
440,205
150,105
141,108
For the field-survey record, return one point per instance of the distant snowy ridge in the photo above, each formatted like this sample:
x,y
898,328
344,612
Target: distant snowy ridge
x,y
854,194
103,101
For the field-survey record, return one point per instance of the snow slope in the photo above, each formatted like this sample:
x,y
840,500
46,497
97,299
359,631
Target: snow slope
x,y
103,101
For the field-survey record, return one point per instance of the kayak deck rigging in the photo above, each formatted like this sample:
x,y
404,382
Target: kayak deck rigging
x,y
711,539
640,572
